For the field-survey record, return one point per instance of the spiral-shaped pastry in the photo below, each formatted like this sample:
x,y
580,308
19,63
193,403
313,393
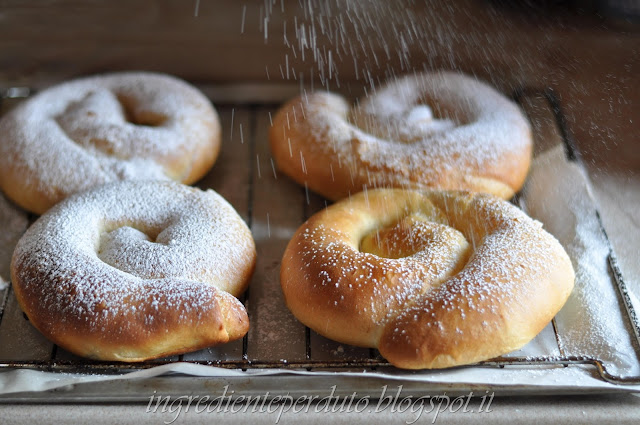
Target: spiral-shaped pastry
x,y
432,279
136,270
439,130
101,129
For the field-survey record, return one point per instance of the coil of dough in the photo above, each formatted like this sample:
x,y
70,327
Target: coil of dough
x,y
100,129
131,271
432,279
440,130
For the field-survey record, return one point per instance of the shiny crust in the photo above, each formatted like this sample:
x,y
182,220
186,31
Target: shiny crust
x,y
123,298
482,143
454,278
100,129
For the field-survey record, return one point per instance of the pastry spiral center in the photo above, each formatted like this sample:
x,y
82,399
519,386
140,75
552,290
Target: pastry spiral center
x,y
135,114
135,251
415,236
103,108
409,124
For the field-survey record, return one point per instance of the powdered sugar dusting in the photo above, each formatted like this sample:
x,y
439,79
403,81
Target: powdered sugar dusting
x,y
112,127
438,130
13,223
476,127
467,255
591,324
133,249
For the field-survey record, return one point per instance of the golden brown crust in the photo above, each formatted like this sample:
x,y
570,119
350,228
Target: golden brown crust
x,y
130,336
472,138
136,270
455,278
112,127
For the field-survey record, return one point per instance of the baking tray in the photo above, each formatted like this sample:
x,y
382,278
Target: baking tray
x,y
273,206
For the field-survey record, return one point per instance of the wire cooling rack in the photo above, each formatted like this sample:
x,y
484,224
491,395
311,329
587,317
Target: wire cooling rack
x,y
271,204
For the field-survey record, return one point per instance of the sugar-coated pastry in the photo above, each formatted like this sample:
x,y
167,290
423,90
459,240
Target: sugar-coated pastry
x,y
432,279
106,128
135,270
440,130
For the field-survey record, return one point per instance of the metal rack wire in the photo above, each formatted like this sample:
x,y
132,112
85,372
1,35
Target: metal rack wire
x,y
371,360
